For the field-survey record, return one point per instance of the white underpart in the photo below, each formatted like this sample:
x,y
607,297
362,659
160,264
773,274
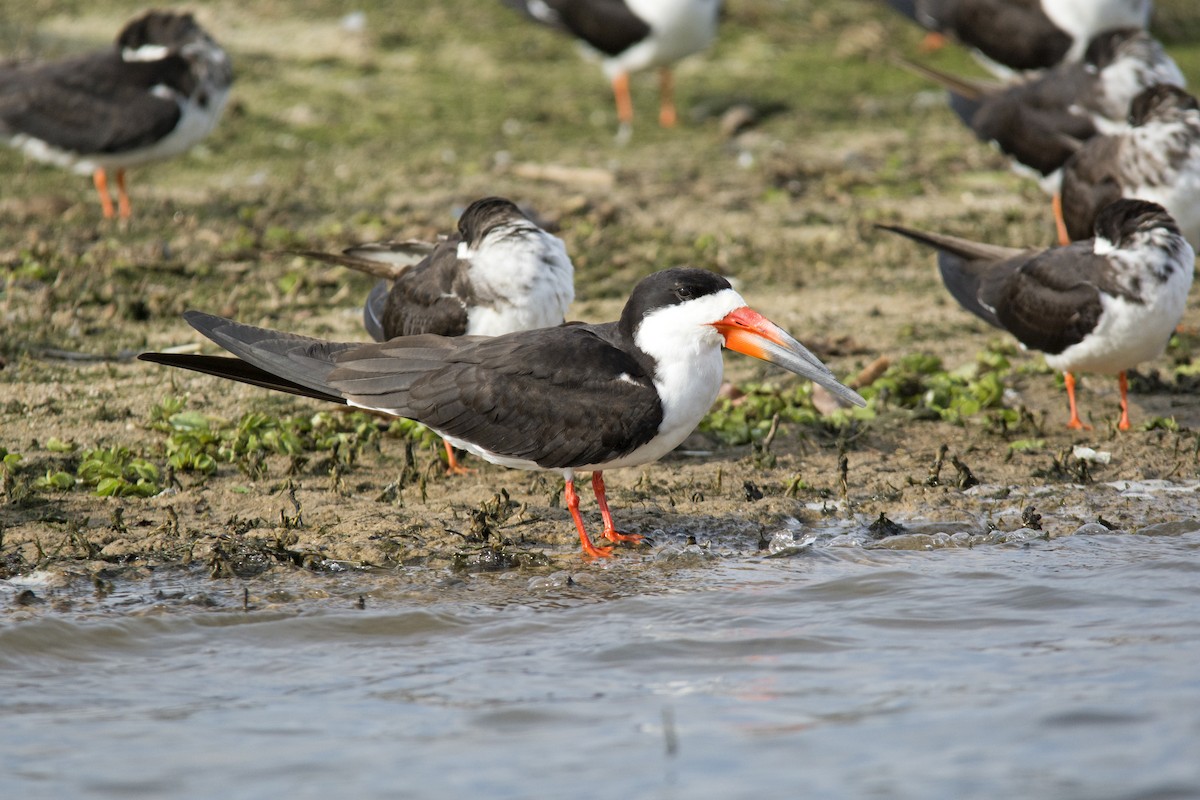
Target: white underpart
x,y
1129,333
678,28
1179,190
527,281
1083,19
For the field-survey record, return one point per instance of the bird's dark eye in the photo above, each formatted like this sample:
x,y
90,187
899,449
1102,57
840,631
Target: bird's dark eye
x,y
685,293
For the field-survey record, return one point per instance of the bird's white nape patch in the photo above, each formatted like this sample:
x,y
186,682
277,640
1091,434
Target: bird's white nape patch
x,y
464,251
1102,246
147,52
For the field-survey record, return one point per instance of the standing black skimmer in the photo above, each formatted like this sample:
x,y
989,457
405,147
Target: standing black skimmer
x,y
1102,305
499,274
576,398
1157,159
1021,35
630,36
157,92
1040,121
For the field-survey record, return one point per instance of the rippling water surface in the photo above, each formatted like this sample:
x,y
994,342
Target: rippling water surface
x,y
1067,668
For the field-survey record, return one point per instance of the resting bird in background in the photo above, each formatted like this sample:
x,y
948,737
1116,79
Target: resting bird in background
x,y
1157,159
630,36
1102,305
1039,122
499,274
1020,35
576,398
157,92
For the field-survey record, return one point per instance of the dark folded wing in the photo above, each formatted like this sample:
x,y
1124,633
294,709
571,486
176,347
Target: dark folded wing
x,y
431,297
1016,33
1051,301
560,397
607,25
90,105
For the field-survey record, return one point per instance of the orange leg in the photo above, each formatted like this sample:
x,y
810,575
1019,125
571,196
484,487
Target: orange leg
x,y
1123,383
1075,423
1060,224
100,179
610,530
666,98
122,196
573,506
932,42
452,465
620,86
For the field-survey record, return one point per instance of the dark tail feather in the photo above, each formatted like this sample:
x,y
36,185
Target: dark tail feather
x,y
379,269
962,280
965,108
236,370
964,248
298,360
962,264
966,96
373,310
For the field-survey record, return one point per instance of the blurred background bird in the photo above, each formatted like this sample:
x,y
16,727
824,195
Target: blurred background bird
x,y
630,36
153,95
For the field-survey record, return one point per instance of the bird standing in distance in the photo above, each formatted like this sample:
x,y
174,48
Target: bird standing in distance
x,y
576,398
1019,35
631,36
1040,121
157,92
1102,305
1156,159
499,274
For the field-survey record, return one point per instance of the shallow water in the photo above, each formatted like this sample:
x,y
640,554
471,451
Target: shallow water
x,y
1064,668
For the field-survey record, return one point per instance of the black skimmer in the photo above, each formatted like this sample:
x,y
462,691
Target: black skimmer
x,y
157,92
1040,121
1102,305
1022,35
575,398
630,36
499,274
1157,159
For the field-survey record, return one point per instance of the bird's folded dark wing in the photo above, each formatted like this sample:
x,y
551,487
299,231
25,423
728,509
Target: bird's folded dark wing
x,y
1050,302
607,25
559,397
90,105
